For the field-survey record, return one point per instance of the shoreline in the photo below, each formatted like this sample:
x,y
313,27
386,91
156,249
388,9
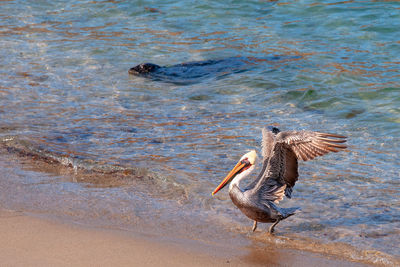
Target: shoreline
x,y
29,240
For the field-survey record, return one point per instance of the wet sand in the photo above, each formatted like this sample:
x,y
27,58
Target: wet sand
x,y
31,241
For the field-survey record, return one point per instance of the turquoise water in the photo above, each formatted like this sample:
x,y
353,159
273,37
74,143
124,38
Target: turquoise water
x,y
65,94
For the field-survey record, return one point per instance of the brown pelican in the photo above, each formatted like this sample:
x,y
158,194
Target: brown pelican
x,y
280,151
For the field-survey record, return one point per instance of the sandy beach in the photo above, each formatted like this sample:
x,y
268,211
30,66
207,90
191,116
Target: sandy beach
x,y
31,241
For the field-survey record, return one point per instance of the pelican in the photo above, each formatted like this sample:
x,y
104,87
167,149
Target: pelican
x,y
280,151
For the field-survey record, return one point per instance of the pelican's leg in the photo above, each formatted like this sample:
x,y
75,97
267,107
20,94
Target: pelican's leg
x,y
271,229
254,226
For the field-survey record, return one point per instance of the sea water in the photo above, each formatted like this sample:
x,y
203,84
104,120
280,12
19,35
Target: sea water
x,y
83,139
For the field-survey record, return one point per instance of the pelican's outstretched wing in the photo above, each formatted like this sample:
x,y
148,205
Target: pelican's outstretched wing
x,y
267,143
288,147
307,145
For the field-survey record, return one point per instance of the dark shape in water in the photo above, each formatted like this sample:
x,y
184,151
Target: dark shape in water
x,y
153,10
144,69
197,71
280,151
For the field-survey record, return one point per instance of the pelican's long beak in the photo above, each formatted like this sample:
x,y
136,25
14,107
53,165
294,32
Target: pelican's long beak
x,y
240,165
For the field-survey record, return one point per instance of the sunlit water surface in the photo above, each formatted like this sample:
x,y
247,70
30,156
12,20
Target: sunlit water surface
x,y
83,139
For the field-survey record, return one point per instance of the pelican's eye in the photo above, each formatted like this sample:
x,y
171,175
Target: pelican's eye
x,y
245,162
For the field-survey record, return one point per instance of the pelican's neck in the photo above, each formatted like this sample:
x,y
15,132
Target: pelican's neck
x,y
238,178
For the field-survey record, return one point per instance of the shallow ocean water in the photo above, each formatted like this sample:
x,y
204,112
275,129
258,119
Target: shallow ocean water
x,y
83,139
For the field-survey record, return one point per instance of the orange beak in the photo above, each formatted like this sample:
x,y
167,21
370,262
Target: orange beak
x,y
239,166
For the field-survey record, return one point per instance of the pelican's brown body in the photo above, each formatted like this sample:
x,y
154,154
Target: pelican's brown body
x,y
280,151
260,213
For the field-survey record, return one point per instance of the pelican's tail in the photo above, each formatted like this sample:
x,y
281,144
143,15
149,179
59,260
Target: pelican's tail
x,y
287,212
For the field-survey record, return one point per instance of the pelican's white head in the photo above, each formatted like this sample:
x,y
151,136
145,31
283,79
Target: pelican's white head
x,y
250,156
244,167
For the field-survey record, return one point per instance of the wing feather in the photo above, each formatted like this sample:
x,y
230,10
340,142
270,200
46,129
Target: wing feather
x,y
300,152
307,151
267,143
